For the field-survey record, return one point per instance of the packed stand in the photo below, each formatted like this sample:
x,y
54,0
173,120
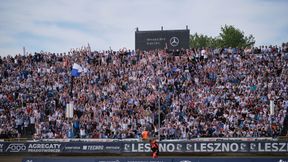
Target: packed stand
x,y
198,93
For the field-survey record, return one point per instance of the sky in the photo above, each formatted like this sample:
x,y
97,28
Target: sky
x,y
59,25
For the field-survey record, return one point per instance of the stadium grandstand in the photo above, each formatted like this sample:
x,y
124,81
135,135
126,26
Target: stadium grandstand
x,y
163,81
181,94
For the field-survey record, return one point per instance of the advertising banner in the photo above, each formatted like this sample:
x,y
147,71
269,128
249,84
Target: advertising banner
x,y
210,159
141,147
210,147
161,39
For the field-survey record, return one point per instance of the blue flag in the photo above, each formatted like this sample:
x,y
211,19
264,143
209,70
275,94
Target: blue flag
x,y
76,70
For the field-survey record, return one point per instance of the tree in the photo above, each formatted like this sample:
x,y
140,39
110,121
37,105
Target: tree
x,y
215,42
233,37
229,37
202,41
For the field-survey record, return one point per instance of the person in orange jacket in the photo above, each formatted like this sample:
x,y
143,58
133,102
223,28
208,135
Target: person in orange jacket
x,y
145,135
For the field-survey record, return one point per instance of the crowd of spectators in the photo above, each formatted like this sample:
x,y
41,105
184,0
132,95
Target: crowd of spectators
x,y
194,92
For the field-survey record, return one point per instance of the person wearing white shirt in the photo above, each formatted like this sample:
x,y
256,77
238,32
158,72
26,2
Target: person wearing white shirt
x,y
82,133
32,124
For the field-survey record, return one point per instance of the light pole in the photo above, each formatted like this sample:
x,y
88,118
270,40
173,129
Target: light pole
x,y
159,116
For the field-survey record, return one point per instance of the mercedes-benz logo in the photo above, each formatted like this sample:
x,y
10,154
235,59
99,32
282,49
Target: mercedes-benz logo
x,y
174,41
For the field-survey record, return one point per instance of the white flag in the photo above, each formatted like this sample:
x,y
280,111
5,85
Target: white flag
x,y
272,107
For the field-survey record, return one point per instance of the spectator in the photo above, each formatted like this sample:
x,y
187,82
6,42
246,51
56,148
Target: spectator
x,y
200,93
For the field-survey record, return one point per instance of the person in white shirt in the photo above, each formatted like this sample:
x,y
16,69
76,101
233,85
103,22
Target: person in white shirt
x,y
82,133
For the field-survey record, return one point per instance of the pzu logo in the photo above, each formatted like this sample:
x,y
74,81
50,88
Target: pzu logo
x,y
16,147
179,147
127,147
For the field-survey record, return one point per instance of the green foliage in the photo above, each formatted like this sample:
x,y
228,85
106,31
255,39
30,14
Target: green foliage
x,y
229,37
199,41
233,37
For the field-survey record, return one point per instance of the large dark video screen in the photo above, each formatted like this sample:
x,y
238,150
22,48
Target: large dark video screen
x,y
161,39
